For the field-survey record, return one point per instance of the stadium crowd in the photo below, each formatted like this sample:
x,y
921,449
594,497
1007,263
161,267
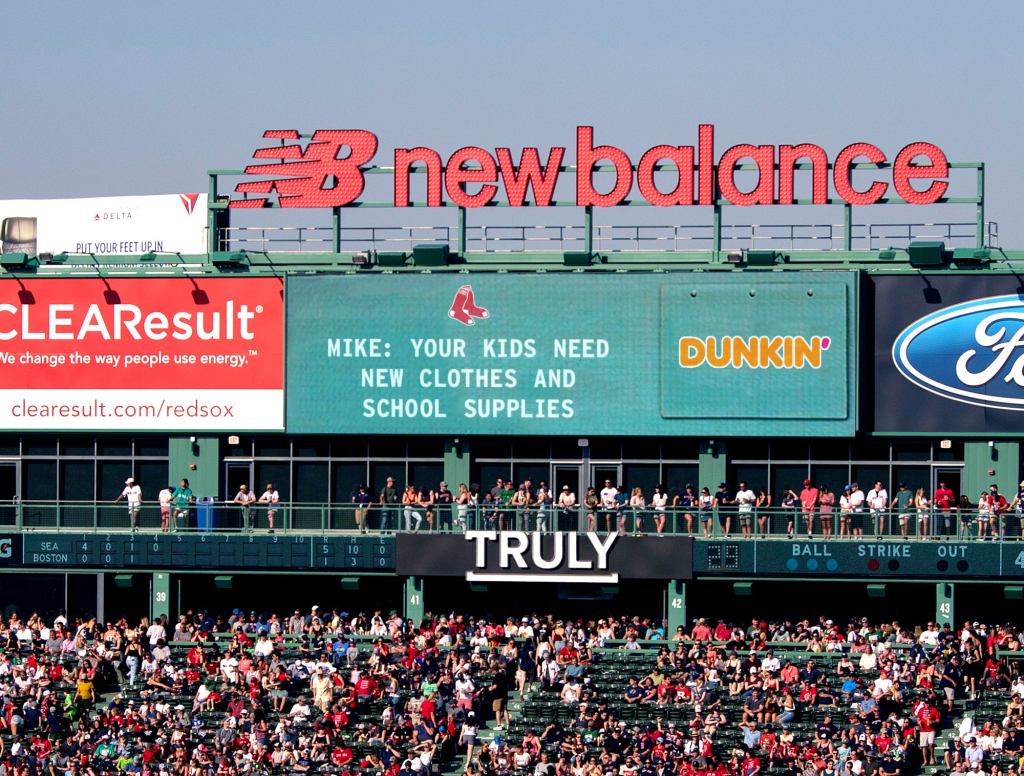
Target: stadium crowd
x,y
812,509
340,693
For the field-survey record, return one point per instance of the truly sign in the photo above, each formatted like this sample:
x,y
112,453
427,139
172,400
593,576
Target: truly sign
x,y
329,172
521,555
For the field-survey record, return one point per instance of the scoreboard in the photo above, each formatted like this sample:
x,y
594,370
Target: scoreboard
x,y
941,560
284,552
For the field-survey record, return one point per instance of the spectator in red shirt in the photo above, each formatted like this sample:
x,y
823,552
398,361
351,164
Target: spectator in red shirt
x,y
809,505
927,715
944,499
701,631
365,687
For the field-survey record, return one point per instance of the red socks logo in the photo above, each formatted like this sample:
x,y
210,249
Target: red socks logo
x,y
464,309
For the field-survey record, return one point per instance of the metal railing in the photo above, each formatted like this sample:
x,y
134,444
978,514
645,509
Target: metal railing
x,y
610,238
718,523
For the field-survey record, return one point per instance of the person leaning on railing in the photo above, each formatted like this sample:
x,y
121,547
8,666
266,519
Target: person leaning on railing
x,y
361,498
388,504
244,499
566,505
923,507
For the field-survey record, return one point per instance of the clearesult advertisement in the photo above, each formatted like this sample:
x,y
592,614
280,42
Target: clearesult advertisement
x,y
142,353
100,226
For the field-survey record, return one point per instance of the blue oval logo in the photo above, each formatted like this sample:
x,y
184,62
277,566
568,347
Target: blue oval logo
x,y
971,352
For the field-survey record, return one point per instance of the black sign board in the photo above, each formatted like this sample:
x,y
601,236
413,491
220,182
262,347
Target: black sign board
x,y
519,556
948,353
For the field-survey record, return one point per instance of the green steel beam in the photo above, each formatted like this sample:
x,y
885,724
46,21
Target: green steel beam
x,y
944,600
675,606
980,234
716,238
211,215
161,595
460,232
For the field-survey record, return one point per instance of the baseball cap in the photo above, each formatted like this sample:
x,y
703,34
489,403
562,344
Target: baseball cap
x,y
130,481
807,482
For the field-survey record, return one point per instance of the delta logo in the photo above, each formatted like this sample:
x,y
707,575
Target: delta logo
x,y
785,351
188,201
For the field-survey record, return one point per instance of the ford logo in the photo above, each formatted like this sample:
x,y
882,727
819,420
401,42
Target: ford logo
x,y
971,352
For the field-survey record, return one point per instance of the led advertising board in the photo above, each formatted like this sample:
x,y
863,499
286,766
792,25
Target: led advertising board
x,y
525,556
947,353
100,226
572,353
142,354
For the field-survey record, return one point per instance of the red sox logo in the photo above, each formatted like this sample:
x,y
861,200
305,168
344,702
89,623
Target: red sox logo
x,y
464,309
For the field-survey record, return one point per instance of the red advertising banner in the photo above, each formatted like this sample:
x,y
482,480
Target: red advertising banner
x,y
142,353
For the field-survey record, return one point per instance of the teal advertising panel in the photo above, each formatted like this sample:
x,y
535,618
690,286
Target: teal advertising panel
x,y
947,560
572,353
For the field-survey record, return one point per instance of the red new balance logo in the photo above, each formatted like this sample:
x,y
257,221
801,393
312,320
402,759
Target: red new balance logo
x,y
464,309
314,175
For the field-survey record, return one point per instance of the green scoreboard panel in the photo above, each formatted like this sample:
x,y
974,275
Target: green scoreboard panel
x,y
758,354
284,552
893,558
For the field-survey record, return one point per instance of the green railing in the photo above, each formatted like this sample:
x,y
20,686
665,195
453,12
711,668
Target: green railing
x,y
718,523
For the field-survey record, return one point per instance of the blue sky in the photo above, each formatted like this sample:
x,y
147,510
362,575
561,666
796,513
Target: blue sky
x,y
132,98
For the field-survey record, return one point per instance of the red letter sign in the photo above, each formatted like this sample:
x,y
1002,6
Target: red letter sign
x,y
518,180
304,186
456,174
903,171
404,157
788,156
586,157
764,158
842,179
682,194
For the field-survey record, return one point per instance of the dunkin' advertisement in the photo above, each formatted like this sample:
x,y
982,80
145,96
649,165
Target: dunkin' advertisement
x,y
142,354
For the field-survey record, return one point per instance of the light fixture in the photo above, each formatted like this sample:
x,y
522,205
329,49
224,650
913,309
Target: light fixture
x,y
577,258
927,253
971,257
392,259
18,261
432,255
230,261
763,258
